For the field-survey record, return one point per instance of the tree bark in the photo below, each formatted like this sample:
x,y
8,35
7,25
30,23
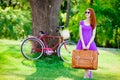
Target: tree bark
x,y
91,2
45,16
68,12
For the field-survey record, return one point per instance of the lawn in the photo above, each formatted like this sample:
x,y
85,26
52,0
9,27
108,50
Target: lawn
x,y
13,66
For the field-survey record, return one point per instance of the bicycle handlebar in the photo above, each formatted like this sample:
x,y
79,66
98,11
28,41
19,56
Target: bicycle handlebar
x,y
46,33
60,27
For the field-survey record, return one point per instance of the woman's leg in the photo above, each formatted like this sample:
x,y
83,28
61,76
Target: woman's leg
x,y
90,74
86,75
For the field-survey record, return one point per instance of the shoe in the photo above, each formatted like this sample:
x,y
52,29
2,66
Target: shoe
x,y
90,75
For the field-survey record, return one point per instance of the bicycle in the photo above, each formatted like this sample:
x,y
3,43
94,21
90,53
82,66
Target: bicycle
x,y
33,48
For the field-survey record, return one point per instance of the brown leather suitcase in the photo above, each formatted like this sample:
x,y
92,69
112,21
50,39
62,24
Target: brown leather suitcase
x,y
85,59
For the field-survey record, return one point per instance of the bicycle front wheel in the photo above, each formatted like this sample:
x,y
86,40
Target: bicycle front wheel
x,y
65,51
32,48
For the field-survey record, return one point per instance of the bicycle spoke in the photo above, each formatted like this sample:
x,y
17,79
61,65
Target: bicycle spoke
x,y
31,49
65,51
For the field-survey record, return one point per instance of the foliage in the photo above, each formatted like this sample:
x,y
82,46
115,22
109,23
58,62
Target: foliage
x,y
108,25
14,24
13,66
16,4
15,19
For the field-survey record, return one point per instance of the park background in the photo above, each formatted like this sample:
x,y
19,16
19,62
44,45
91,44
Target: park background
x,y
16,24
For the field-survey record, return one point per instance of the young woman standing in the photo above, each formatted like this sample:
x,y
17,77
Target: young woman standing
x,y
87,30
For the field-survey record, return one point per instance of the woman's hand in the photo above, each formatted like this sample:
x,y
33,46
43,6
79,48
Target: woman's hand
x,y
88,46
84,47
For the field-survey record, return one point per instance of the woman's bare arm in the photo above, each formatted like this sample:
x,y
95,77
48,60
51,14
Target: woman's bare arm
x,y
81,36
92,38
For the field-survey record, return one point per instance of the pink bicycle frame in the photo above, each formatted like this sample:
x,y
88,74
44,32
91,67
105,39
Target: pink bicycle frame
x,y
46,45
51,37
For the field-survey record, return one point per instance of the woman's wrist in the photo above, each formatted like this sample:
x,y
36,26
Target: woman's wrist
x,y
88,46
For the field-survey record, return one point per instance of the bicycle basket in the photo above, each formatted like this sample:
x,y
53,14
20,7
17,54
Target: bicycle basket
x,y
65,34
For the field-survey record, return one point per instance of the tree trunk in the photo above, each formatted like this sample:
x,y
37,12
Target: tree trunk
x,y
68,12
45,16
91,2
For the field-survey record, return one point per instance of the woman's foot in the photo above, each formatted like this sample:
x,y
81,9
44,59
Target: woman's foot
x,y
86,76
90,74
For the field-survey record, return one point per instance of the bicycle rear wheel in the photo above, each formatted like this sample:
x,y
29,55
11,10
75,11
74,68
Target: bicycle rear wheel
x,y
65,51
32,48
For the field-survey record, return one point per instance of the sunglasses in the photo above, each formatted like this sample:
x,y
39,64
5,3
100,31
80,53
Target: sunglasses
x,y
87,12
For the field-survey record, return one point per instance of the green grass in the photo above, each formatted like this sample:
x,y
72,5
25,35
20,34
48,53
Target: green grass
x,y
13,66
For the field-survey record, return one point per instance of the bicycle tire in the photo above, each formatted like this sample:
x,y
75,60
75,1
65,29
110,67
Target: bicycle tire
x,y
27,48
65,51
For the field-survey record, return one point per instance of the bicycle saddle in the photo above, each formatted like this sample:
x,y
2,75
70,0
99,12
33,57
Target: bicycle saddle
x,y
43,33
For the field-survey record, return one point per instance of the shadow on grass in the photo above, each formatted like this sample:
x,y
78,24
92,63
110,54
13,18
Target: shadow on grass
x,y
51,68
105,76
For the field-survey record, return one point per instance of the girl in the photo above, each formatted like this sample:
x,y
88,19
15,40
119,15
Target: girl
x,y
87,30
